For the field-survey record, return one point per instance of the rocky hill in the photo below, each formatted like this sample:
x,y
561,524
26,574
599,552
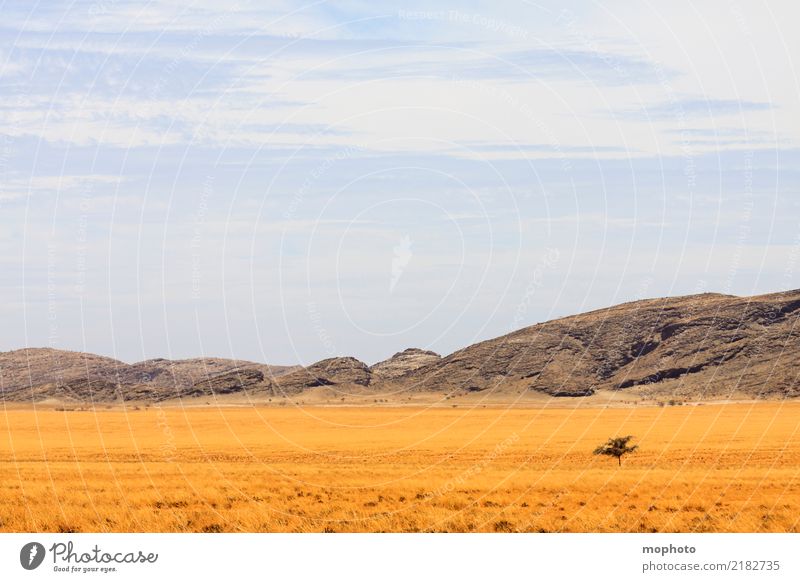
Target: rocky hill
x,y
331,372
698,346
404,362
694,347
37,374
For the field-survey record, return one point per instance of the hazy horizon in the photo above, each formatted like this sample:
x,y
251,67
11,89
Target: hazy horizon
x,y
292,183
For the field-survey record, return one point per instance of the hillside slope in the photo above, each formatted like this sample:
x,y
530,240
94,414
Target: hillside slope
x,y
36,374
697,346
694,347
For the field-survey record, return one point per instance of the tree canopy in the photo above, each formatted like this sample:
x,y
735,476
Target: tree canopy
x,y
616,447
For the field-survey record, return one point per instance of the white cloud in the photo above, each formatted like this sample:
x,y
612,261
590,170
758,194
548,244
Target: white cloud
x,y
473,113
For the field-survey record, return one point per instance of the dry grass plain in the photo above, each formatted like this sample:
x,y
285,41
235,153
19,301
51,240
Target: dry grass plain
x,y
713,467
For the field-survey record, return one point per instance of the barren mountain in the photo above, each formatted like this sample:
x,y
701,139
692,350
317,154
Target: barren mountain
x,y
39,373
333,371
228,382
404,362
698,346
695,347
194,376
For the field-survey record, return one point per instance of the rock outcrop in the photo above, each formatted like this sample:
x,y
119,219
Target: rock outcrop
x,y
331,372
232,382
404,362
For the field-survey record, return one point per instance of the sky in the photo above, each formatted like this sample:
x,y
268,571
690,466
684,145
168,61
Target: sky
x,y
300,181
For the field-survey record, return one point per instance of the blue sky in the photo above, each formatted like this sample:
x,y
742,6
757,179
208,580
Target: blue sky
x,y
290,183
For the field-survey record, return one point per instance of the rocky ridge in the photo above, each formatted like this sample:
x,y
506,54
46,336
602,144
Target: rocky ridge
x,y
693,347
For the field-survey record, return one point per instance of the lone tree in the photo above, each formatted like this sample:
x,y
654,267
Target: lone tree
x,y
616,447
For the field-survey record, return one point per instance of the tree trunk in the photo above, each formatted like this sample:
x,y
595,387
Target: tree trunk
x,y
620,460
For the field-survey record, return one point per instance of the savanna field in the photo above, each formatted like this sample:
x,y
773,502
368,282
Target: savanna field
x,y
703,468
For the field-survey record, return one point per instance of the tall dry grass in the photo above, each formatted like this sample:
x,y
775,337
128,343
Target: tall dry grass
x,y
703,468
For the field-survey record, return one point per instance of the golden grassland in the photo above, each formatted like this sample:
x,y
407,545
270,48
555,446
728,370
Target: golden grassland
x,y
720,467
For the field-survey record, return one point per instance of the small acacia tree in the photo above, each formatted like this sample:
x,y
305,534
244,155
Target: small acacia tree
x,y
616,447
